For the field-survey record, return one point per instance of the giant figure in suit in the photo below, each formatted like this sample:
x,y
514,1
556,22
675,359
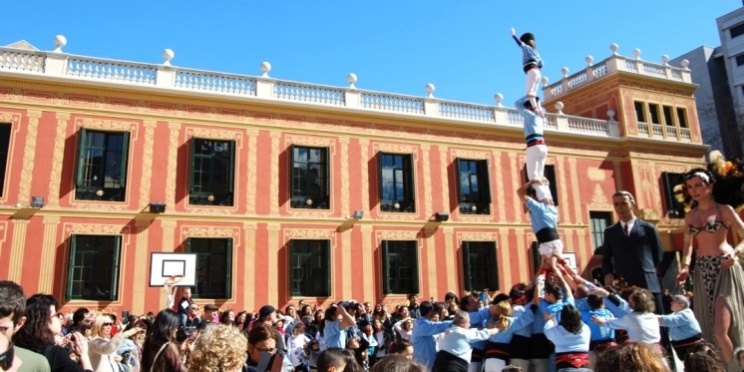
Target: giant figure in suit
x,y
635,255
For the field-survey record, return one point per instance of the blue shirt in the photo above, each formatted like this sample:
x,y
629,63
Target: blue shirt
x,y
517,311
334,336
553,309
533,124
682,324
458,341
565,341
598,333
424,344
479,319
542,215
515,324
528,53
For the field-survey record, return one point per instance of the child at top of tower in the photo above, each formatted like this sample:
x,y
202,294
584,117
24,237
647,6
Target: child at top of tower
x,y
531,64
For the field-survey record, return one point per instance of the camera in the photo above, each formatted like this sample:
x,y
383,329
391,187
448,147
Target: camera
x,y
184,333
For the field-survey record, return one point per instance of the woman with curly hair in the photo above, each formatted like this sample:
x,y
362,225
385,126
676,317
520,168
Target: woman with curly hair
x,y
631,357
218,348
718,277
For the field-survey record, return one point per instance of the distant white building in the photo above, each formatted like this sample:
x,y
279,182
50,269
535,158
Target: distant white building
x,y
720,73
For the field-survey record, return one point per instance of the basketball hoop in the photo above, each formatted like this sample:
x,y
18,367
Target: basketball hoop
x,y
173,279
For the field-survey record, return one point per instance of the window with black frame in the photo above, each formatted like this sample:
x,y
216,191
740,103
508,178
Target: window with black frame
x,y
400,267
4,148
309,268
310,182
473,186
674,209
212,175
480,266
93,267
396,182
102,165
549,173
213,267
599,221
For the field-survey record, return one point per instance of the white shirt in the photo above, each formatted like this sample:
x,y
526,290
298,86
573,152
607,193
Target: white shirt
x,y
457,341
641,327
630,224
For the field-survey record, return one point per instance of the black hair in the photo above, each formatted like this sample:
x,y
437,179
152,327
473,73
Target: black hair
x,y
571,319
400,345
79,315
595,301
553,289
425,308
526,37
35,334
331,357
466,301
500,297
162,328
12,301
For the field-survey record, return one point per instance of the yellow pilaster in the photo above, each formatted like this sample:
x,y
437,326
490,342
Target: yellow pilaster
x,y
17,248
445,180
496,164
140,269
428,208
273,263
46,269
147,164
29,155
170,179
431,262
169,245
249,266
57,159
345,184
369,260
514,172
274,192
347,252
449,255
576,194
252,176
365,174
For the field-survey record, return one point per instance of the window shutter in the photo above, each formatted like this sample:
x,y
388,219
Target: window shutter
x,y
493,267
385,268
114,290
124,158
380,157
466,266
326,159
484,181
292,178
192,160
458,180
327,267
228,268
550,175
231,180
673,208
82,150
415,286
71,266
412,182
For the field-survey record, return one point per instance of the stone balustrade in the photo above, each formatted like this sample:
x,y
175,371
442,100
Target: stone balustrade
x,y
613,64
166,77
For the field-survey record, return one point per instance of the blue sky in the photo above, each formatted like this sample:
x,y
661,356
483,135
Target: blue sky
x,y
463,47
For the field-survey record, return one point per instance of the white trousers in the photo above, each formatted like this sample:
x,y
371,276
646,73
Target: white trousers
x,y
535,162
533,81
493,365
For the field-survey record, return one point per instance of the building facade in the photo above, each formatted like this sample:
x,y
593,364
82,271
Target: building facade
x,y
719,72
289,191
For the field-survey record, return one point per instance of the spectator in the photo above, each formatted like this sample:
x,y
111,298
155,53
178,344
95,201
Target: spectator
x,y
402,347
404,328
40,330
702,362
332,360
631,357
184,305
102,347
262,348
296,348
78,316
413,306
160,351
397,363
12,318
240,320
219,348
227,317
338,320
210,313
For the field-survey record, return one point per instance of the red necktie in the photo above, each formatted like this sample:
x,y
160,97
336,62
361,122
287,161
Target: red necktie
x,y
625,229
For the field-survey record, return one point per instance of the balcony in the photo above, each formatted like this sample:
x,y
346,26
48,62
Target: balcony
x,y
167,79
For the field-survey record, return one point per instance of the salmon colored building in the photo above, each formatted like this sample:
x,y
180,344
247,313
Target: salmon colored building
x,y
288,191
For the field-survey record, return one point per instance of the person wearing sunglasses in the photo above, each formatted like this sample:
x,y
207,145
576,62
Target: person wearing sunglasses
x,y
102,347
40,331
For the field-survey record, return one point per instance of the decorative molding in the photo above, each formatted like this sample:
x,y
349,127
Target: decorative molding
x,y
103,124
170,179
95,229
599,200
476,237
596,174
275,172
443,157
452,262
15,122
427,186
222,133
252,172
17,248
496,206
301,140
366,256
395,148
3,234
397,235
209,232
345,183
145,186
469,154
309,234
29,155
364,158
46,269
58,154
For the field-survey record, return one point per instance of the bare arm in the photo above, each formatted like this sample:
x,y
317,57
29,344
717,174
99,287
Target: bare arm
x,y
522,191
684,269
346,319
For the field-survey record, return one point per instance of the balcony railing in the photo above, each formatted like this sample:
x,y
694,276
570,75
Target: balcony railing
x,y
164,77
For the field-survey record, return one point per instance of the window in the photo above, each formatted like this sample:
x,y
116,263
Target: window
x,y
309,268
396,183
549,173
102,165
668,118
640,110
93,270
740,60
400,267
213,267
737,30
674,209
310,178
682,117
654,111
599,222
4,148
473,187
480,266
212,172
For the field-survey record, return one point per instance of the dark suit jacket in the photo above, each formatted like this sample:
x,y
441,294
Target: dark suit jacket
x,y
634,257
